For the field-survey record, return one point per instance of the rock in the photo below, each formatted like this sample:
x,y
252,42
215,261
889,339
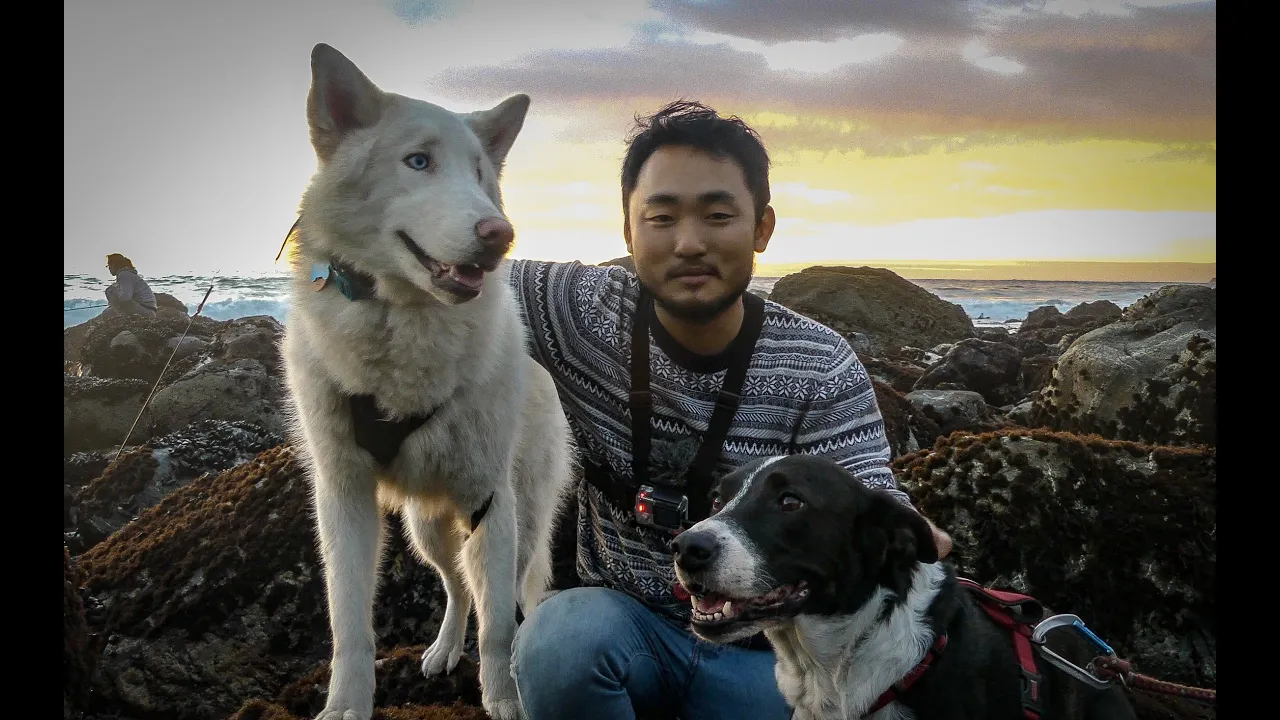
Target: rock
x,y
1046,331
254,338
77,647
1150,377
101,355
899,375
1036,372
169,302
892,311
185,346
1046,316
98,412
860,343
214,596
401,692
905,427
1090,312
242,389
144,475
953,410
994,334
1121,534
1175,304
127,341
991,369
1020,415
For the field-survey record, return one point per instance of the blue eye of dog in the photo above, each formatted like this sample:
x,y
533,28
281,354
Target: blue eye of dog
x,y
418,161
789,502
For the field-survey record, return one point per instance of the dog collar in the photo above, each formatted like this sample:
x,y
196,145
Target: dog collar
x,y
352,283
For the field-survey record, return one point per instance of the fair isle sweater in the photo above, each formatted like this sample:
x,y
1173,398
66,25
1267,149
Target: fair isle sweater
x,y
805,392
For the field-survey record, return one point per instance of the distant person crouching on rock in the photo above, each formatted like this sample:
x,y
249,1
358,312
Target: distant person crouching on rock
x,y
129,294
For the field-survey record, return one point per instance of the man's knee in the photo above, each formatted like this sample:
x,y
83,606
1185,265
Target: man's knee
x,y
569,631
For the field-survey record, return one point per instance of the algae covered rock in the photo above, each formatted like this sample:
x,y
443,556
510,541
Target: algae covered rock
x,y
1121,534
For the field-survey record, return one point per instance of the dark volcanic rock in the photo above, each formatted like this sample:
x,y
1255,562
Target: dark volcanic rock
x,y
1092,312
167,301
1046,316
98,412
954,410
145,354
905,427
991,369
77,649
402,693
892,311
143,475
1121,534
1048,331
238,378
215,596
899,374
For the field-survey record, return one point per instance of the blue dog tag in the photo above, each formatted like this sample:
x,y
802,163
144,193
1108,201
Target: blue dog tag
x,y
319,275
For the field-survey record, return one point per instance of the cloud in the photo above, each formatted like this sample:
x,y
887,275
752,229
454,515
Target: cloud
x,y
824,20
417,12
817,196
1147,74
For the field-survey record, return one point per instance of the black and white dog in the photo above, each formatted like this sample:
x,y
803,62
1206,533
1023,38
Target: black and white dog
x,y
845,583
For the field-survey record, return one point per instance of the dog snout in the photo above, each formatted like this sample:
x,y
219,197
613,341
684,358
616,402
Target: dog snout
x,y
496,235
695,551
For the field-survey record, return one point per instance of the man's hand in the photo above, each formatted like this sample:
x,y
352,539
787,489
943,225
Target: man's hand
x,y
940,539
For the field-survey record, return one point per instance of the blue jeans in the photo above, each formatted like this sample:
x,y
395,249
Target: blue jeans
x,y
599,653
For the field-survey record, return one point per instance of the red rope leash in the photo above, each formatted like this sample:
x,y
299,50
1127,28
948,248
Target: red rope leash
x,y
1112,667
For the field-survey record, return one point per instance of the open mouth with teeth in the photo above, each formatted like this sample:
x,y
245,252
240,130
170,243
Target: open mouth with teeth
x,y
462,279
714,610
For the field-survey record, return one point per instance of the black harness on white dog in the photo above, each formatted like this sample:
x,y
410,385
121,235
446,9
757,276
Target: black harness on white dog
x,y
374,433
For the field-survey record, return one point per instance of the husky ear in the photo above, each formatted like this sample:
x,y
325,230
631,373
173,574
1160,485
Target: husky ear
x,y
498,126
341,99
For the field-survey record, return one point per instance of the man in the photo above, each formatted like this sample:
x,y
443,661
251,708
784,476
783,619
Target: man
x,y
129,294
695,194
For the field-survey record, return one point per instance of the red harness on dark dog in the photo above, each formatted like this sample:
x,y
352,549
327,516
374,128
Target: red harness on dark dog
x,y
1016,613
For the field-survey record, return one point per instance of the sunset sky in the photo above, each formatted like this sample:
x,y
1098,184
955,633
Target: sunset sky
x,y
901,131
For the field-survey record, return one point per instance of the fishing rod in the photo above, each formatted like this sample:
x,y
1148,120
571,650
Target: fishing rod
x,y
84,307
157,383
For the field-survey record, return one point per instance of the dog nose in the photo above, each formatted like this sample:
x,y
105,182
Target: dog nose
x,y
496,234
694,551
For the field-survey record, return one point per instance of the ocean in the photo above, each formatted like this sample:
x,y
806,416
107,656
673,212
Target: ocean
x,y
990,303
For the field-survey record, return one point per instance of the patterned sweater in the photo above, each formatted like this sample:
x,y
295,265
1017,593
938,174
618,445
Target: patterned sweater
x,y
805,392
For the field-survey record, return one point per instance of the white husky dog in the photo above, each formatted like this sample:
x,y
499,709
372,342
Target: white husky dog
x,y
411,332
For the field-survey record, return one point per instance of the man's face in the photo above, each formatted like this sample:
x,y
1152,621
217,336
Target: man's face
x,y
692,231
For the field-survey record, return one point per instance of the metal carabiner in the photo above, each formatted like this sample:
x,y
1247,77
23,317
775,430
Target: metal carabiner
x,y
1057,621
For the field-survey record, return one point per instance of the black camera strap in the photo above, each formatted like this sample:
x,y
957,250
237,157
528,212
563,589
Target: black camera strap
x,y
701,473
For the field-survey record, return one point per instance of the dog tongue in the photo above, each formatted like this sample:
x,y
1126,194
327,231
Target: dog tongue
x,y
711,603
468,275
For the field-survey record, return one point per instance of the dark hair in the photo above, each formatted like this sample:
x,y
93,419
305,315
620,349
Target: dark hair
x,y
695,125
117,260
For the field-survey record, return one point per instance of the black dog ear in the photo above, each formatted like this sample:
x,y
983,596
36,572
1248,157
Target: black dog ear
x,y
908,534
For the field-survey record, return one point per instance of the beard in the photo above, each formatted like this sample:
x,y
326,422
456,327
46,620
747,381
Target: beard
x,y
701,311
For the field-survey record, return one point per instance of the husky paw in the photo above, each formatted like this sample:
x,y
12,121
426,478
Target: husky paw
x,y
504,709
441,657
342,713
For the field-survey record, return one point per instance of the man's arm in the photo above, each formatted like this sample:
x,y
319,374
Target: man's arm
x,y
562,303
843,422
